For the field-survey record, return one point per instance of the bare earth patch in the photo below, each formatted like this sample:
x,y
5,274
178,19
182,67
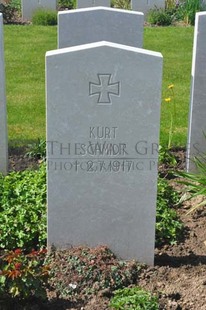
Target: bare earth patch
x,y
179,274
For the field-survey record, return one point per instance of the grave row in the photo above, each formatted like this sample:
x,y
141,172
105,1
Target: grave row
x,y
103,118
30,6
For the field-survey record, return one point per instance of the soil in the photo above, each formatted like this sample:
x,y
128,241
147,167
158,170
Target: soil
x,y
178,276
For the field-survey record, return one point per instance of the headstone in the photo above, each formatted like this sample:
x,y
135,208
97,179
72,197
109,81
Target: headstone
x,y
30,6
82,26
103,120
197,124
89,3
3,113
146,5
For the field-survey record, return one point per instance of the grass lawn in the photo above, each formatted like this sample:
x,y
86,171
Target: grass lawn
x,y
25,48
175,44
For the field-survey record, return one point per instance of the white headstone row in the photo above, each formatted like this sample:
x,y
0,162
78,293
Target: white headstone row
x,y
30,6
137,5
196,146
3,113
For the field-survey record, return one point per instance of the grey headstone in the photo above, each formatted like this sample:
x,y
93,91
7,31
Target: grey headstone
x,y
3,113
89,3
30,6
84,26
103,120
197,125
146,5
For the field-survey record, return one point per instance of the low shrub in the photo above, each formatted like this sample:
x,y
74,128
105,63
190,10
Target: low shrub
x,y
37,150
195,183
23,275
133,299
121,4
16,4
160,17
8,12
168,225
67,4
23,209
187,10
178,11
80,271
166,157
44,17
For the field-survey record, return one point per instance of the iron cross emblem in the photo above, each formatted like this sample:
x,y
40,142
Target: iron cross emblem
x,y
104,89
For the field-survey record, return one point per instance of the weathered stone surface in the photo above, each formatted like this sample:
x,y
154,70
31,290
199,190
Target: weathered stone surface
x,y
103,120
76,27
3,113
146,5
89,3
30,6
197,126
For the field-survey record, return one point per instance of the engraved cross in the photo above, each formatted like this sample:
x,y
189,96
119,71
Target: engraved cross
x,y
104,88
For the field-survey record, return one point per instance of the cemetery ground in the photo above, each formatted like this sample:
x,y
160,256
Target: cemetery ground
x,y
177,278
179,275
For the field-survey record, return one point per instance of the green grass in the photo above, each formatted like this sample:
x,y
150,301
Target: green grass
x,y
175,44
25,48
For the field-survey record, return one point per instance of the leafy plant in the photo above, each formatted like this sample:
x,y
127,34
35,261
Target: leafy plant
x,y
133,299
168,226
67,4
195,182
16,4
160,17
23,209
44,17
171,4
23,275
8,12
37,150
166,157
83,271
171,98
187,10
122,4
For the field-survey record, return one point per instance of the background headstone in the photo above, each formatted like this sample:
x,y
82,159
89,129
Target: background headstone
x,y
30,6
197,120
146,5
84,26
89,3
103,120
3,113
